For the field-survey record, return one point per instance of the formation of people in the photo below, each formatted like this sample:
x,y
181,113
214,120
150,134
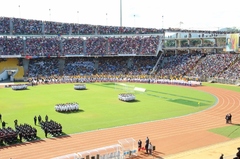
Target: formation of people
x,y
19,87
126,97
51,127
8,135
27,132
79,86
67,107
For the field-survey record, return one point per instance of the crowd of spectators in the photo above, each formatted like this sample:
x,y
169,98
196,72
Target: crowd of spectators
x,y
28,26
96,46
62,46
126,30
43,46
212,65
149,46
142,65
233,72
78,66
43,67
56,28
83,29
73,46
171,66
109,65
4,25
127,45
86,66
178,65
112,65
37,27
11,46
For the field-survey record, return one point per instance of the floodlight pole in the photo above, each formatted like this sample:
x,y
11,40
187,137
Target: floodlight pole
x,y
162,22
50,14
19,8
120,12
134,20
106,19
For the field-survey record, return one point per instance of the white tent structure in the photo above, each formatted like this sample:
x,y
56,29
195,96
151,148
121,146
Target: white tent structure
x,y
108,152
129,147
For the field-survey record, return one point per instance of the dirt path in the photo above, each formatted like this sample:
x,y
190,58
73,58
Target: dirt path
x,y
170,136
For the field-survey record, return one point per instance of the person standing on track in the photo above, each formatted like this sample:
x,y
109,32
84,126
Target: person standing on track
x,y
146,144
139,145
221,157
227,118
230,118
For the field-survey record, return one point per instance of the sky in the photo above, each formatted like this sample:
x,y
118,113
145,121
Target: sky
x,y
184,14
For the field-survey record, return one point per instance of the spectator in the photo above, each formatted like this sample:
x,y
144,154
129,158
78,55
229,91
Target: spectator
x,y
147,144
150,148
139,145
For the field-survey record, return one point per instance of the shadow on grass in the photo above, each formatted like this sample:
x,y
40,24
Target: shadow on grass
x,y
29,142
133,101
81,89
21,89
187,102
109,83
20,144
235,124
175,95
72,112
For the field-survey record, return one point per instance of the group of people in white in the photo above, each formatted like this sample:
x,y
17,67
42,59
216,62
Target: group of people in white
x,y
79,86
19,87
126,97
67,107
178,82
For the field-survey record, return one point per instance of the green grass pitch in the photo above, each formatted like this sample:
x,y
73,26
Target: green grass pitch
x,y
99,105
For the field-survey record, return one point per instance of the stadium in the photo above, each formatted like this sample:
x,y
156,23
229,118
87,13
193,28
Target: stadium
x,y
96,90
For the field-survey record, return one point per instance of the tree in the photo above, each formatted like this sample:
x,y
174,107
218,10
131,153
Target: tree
x,y
233,29
195,42
169,43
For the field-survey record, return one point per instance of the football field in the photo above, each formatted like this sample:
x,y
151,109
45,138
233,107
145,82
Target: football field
x,y
99,105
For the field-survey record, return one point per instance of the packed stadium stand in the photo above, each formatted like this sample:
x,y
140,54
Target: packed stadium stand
x,y
34,48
